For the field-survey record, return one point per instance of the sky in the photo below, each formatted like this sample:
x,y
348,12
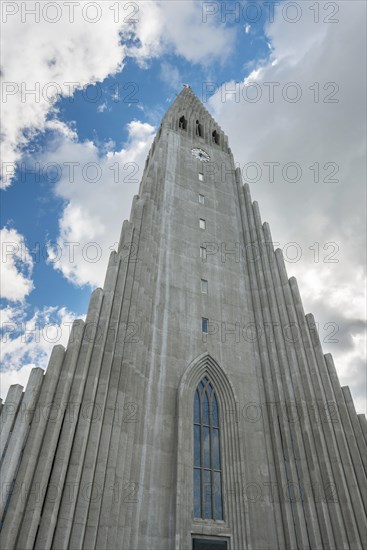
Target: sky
x,y
84,88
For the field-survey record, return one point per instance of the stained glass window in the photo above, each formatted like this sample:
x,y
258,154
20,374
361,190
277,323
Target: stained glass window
x,y
207,460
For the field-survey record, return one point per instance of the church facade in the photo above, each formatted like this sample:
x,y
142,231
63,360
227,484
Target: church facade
x,y
194,407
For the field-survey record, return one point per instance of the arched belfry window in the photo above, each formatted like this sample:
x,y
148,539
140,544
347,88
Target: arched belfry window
x,y
215,137
182,123
207,459
199,129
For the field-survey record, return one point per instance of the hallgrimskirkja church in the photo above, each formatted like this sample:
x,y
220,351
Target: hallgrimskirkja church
x,y
194,408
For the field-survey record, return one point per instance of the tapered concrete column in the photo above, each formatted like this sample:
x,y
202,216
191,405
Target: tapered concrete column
x,y
113,466
20,433
126,234
278,362
83,433
358,474
271,373
363,423
355,473
41,478
51,510
115,526
69,474
324,439
283,513
9,414
112,359
112,427
356,427
97,387
280,304
344,476
299,395
313,437
31,451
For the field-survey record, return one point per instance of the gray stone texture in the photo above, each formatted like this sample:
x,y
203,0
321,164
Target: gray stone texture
x,y
98,451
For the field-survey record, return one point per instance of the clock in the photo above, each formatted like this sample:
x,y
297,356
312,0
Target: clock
x,y
200,154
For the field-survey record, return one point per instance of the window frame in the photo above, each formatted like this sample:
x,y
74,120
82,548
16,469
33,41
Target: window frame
x,y
182,123
199,130
207,459
215,137
203,253
210,538
204,286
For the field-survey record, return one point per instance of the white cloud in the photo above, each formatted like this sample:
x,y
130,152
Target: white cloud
x,y
101,108
14,376
304,132
27,343
170,75
91,222
351,370
60,53
16,266
326,216
180,27
59,57
322,282
61,128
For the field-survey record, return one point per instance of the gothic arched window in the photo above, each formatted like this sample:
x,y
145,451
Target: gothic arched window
x,y
199,129
207,460
182,123
215,137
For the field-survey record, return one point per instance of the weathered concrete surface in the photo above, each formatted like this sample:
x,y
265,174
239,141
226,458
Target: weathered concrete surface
x,y
117,471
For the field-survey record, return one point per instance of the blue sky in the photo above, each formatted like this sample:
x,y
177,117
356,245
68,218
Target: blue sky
x,y
97,115
147,61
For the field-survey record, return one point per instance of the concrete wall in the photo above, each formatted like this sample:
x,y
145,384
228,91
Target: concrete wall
x,y
110,463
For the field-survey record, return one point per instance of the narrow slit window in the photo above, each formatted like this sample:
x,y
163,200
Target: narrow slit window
x,y
202,223
201,177
204,325
215,137
201,199
203,254
182,123
204,286
199,129
212,543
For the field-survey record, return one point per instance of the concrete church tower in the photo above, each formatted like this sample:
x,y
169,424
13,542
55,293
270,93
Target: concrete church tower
x,y
194,408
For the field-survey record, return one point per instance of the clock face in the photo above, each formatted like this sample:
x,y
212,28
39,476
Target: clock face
x,y
200,154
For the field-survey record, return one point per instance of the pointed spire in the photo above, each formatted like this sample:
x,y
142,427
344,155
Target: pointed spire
x,y
188,113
